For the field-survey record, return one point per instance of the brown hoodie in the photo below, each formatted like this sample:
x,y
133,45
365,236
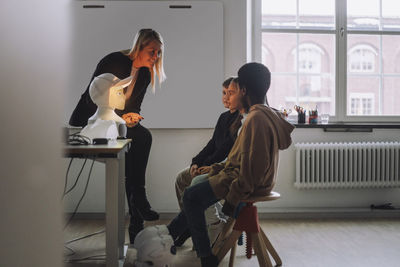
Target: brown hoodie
x,y
252,164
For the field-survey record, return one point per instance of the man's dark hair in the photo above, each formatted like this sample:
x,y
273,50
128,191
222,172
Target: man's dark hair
x,y
256,79
227,82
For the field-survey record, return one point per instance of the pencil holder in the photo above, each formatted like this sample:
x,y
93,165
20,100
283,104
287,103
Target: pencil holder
x,y
301,117
312,119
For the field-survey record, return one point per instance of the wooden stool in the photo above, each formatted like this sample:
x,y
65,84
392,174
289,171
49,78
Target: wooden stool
x,y
247,222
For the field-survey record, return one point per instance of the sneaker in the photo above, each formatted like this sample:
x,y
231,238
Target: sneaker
x,y
209,261
182,238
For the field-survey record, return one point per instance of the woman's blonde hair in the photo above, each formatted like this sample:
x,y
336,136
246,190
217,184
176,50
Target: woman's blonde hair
x,y
143,38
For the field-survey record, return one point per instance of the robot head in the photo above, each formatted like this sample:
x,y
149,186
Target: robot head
x,y
156,252
106,90
148,233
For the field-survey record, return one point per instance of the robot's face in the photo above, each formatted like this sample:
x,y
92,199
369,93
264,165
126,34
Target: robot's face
x,y
117,98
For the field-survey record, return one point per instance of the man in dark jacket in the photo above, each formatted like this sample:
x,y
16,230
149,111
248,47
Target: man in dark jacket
x,y
216,150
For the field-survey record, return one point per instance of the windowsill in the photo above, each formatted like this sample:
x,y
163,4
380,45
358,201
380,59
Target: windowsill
x,y
349,126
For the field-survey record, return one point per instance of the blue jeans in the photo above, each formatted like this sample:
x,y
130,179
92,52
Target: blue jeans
x,y
199,179
196,199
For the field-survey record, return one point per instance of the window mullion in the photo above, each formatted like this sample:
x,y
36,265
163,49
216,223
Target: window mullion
x,y
297,54
380,98
257,30
341,60
297,14
297,70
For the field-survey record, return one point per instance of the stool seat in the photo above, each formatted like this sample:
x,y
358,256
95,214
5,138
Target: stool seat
x,y
271,196
247,222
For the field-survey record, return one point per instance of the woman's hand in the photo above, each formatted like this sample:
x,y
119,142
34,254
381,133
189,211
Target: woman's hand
x,y
204,169
131,119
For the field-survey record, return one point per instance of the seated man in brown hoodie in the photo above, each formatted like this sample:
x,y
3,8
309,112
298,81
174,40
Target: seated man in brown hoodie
x,y
251,166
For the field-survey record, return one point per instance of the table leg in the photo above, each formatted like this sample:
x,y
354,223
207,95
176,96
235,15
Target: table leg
x,y
121,205
112,212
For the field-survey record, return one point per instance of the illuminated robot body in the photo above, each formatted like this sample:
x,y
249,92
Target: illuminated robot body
x,y
106,91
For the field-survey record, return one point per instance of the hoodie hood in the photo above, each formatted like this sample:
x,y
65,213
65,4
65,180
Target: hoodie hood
x,y
278,121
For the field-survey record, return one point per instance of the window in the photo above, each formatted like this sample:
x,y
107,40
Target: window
x,y
361,104
332,54
362,59
310,57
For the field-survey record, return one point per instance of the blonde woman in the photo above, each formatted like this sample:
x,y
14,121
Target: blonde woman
x,y
145,63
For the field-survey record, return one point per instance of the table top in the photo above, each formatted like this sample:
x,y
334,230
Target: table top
x,y
112,148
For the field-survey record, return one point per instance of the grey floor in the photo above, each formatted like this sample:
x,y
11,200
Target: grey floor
x,y
311,243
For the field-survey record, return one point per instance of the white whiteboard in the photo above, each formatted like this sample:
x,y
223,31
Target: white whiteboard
x,y
193,35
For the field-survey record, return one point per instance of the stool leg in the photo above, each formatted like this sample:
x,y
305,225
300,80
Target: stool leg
x,y
270,248
233,253
228,244
223,235
261,250
228,227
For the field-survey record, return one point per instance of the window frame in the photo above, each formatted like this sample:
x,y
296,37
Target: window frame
x,y
341,56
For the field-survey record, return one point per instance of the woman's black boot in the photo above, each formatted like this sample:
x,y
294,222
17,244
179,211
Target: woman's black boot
x,y
136,224
139,200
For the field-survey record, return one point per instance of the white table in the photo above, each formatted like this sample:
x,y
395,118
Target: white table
x,y
113,155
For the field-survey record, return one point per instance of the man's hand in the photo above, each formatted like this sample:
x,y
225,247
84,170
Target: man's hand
x,y
131,119
193,170
216,168
204,169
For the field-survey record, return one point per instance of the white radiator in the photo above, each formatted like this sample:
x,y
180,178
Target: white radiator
x,y
347,165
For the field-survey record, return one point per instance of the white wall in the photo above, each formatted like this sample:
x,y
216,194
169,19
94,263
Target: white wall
x,y
173,149
182,144
32,52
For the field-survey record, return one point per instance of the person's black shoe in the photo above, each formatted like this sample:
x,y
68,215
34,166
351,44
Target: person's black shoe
x,y
133,230
182,238
148,214
139,200
136,224
209,261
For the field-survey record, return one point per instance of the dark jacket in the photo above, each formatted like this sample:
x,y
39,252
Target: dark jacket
x,y
120,65
217,149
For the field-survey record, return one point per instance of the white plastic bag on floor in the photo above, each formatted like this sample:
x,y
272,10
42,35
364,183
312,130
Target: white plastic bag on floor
x,y
158,251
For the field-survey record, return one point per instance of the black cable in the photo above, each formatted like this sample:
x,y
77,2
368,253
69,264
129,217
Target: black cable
x,y
86,236
78,139
77,179
83,195
70,249
66,176
385,206
94,257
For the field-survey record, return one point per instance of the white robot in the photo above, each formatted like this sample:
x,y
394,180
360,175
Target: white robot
x,y
106,91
